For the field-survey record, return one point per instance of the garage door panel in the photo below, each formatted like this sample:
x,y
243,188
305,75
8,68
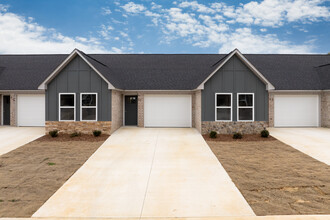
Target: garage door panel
x,y
31,110
296,110
167,111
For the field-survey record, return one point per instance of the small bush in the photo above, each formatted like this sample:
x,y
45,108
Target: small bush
x,y
75,134
213,134
97,133
53,133
237,135
264,133
51,164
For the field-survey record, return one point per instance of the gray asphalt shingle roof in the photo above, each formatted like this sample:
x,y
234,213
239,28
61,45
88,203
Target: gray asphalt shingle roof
x,y
168,71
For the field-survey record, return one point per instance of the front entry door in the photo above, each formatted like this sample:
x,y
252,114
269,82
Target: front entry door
x,y
131,110
6,110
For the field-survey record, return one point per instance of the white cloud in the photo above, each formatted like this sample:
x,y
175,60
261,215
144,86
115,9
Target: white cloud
x,y
19,35
155,6
276,13
247,42
106,10
270,13
197,7
105,31
3,8
211,25
133,8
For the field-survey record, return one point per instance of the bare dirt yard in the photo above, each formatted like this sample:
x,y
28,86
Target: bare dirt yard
x,y
274,178
32,173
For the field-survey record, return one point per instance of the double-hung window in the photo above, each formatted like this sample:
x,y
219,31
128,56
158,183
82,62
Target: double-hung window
x,y
67,107
223,107
88,107
245,106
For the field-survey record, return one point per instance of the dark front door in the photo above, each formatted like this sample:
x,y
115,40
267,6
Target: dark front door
x,y
6,110
131,110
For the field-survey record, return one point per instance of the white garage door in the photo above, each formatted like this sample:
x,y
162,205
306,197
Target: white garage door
x,y
31,110
296,110
167,110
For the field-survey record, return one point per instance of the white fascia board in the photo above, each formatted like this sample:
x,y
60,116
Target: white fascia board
x,y
73,54
269,86
296,91
23,91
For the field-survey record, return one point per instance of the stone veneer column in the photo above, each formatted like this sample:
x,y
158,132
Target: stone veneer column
x,y
13,104
140,109
271,109
116,110
198,110
325,109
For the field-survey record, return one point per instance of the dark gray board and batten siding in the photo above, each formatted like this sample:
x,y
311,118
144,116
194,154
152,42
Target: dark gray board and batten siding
x,y
235,77
77,77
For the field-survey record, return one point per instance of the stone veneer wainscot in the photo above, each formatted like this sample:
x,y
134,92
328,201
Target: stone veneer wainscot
x,y
84,127
254,127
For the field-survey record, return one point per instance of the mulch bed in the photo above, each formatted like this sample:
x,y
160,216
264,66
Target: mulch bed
x,y
275,178
32,173
246,137
67,137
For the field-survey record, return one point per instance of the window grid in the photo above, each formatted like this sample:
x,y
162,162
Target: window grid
x,y
249,107
69,107
82,107
226,107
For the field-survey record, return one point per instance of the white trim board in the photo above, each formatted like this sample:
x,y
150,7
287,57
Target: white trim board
x,y
231,106
59,106
238,107
269,86
73,54
96,106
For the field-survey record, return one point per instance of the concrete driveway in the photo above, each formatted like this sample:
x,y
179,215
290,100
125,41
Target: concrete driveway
x,y
314,142
14,137
149,172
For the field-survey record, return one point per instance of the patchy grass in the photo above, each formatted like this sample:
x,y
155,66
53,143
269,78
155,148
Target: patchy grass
x,y
275,178
29,175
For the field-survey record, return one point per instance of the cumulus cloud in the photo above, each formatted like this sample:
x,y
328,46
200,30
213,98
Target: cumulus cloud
x,y
248,42
216,24
106,10
20,35
271,13
196,7
133,8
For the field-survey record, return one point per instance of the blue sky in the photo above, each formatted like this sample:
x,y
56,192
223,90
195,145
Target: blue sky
x,y
146,26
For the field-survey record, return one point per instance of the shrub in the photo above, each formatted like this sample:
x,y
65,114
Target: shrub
x,y
237,135
97,133
264,133
75,134
53,133
213,134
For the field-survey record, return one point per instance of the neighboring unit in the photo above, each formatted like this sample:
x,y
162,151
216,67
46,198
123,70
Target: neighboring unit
x,y
225,93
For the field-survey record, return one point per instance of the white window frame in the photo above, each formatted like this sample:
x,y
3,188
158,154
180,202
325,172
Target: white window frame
x,y
59,106
231,106
238,107
81,107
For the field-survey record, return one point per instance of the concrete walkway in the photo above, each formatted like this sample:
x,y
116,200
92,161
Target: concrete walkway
x,y
14,137
314,142
273,217
149,172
